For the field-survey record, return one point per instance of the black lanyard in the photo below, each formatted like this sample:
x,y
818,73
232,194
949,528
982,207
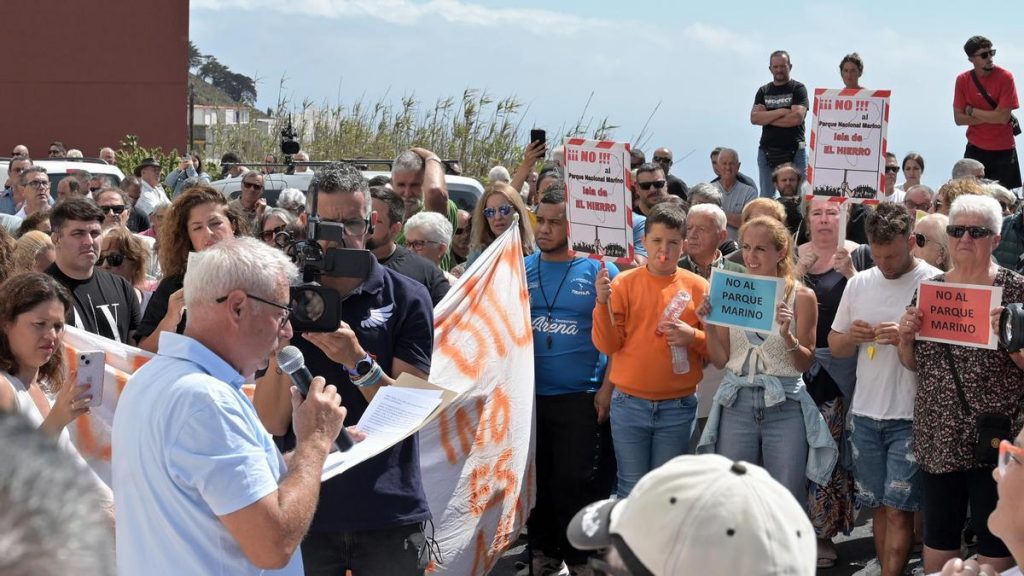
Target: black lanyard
x,y
551,306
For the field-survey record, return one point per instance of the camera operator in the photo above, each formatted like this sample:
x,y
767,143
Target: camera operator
x,y
370,519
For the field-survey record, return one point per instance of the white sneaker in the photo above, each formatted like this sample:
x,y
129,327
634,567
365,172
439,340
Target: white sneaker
x,y
546,566
872,568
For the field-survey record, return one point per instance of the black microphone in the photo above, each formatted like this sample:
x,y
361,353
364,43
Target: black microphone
x,y
290,360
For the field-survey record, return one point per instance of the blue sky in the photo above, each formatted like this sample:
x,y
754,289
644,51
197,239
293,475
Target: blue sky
x,y
698,64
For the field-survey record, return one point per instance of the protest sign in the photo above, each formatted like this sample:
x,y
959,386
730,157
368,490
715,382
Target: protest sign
x,y
476,457
598,202
744,300
848,143
958,313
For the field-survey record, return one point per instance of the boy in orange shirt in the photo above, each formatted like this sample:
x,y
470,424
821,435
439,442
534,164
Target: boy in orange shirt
x,y
653,408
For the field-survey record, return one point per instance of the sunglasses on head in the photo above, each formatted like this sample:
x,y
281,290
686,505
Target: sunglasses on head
x,y
657,185
117,209
115,259
976,232
504,210
893,169
986,54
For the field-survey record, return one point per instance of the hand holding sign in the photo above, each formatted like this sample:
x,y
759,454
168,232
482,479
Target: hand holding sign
x,y
784,316
744,300
958,313
603,286
910,325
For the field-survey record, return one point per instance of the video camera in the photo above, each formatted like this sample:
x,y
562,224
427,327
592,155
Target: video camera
x,y
315,307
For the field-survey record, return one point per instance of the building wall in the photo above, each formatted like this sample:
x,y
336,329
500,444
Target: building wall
x,y
90,72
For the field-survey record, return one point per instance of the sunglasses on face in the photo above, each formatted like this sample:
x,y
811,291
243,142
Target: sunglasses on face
x,y
893,169
115,259
252,185
986,54
657,185
920,239
269,235
420,244
662,160
976,232
504,210
117,209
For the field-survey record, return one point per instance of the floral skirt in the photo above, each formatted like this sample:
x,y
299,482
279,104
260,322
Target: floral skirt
x,y
833,507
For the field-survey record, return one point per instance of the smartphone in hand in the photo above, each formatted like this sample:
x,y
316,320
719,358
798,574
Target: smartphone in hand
x,y
538,135
90,374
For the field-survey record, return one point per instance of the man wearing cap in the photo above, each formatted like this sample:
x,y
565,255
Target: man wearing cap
x,y
676,186
152,193
700,515
984,99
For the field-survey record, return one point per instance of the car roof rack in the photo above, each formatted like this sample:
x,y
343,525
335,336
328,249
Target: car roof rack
x,y
451,166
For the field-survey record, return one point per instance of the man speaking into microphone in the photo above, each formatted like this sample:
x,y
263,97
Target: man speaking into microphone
x,y
199,485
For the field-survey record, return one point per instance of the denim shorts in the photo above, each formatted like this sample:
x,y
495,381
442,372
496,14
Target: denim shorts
x,y
884,467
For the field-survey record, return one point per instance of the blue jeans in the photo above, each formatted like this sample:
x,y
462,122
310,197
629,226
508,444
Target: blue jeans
x,y
884,467
648,433
765,172
774,438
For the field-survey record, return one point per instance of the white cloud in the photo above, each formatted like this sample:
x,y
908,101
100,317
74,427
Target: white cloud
x,y
407,13
718,38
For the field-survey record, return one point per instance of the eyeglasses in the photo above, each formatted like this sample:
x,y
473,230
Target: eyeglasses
x,y
893,169
986,54
252,185
39,184
420,244
504,210
269,235
284,319
922,206
657,184
116,209
976,232
115,259
662,159
1008,452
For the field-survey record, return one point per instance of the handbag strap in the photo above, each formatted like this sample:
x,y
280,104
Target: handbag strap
x,y
984,93
958,384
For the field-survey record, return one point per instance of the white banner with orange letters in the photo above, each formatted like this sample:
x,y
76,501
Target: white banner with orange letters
x,y
477,455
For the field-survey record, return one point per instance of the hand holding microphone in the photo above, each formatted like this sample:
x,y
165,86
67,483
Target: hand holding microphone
x,y
330,418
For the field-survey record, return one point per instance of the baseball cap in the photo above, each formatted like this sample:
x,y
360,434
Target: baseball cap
x,y
702,514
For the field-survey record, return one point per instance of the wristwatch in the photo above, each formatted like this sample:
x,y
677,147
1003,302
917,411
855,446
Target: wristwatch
x,y
362,368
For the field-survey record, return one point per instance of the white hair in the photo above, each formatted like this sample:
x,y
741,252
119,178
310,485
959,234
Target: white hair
x,y
74,153
236,264
967,168
974,205
434,226
1000,193
715,213
499,174
292,200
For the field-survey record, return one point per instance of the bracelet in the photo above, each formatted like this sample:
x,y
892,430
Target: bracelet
x,y
794,348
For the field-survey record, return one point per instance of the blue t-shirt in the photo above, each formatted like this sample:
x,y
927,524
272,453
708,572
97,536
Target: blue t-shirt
x,y
393,318
565,358
639,225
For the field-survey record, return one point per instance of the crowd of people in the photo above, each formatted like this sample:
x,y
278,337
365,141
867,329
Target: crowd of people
x,y
841,409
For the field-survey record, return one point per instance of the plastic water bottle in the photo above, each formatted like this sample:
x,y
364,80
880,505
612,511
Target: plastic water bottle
x,y
680,359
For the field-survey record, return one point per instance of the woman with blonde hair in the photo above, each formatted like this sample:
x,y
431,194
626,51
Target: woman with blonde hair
x,y
494,213
33,252
764,372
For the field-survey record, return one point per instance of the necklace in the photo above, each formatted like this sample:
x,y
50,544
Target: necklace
x,y
550,306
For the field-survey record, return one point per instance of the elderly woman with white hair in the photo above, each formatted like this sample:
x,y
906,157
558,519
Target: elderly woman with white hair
x,y
931,243
964,393
1005,198
294,201
428,234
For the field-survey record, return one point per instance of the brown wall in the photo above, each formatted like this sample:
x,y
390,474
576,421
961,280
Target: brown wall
x,y
89,72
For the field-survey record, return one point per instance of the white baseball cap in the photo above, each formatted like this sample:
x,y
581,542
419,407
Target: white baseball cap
x,y
703,514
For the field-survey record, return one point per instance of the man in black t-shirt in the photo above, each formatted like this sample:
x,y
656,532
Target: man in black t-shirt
x,y
779,108
104,304
390,209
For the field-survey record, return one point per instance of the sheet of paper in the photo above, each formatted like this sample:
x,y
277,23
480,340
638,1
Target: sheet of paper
x,y
394,414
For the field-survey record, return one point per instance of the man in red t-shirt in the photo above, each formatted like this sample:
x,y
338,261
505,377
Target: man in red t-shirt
x,y
990,138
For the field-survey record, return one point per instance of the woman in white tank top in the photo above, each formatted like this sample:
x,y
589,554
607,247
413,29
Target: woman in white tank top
x,y
762,412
